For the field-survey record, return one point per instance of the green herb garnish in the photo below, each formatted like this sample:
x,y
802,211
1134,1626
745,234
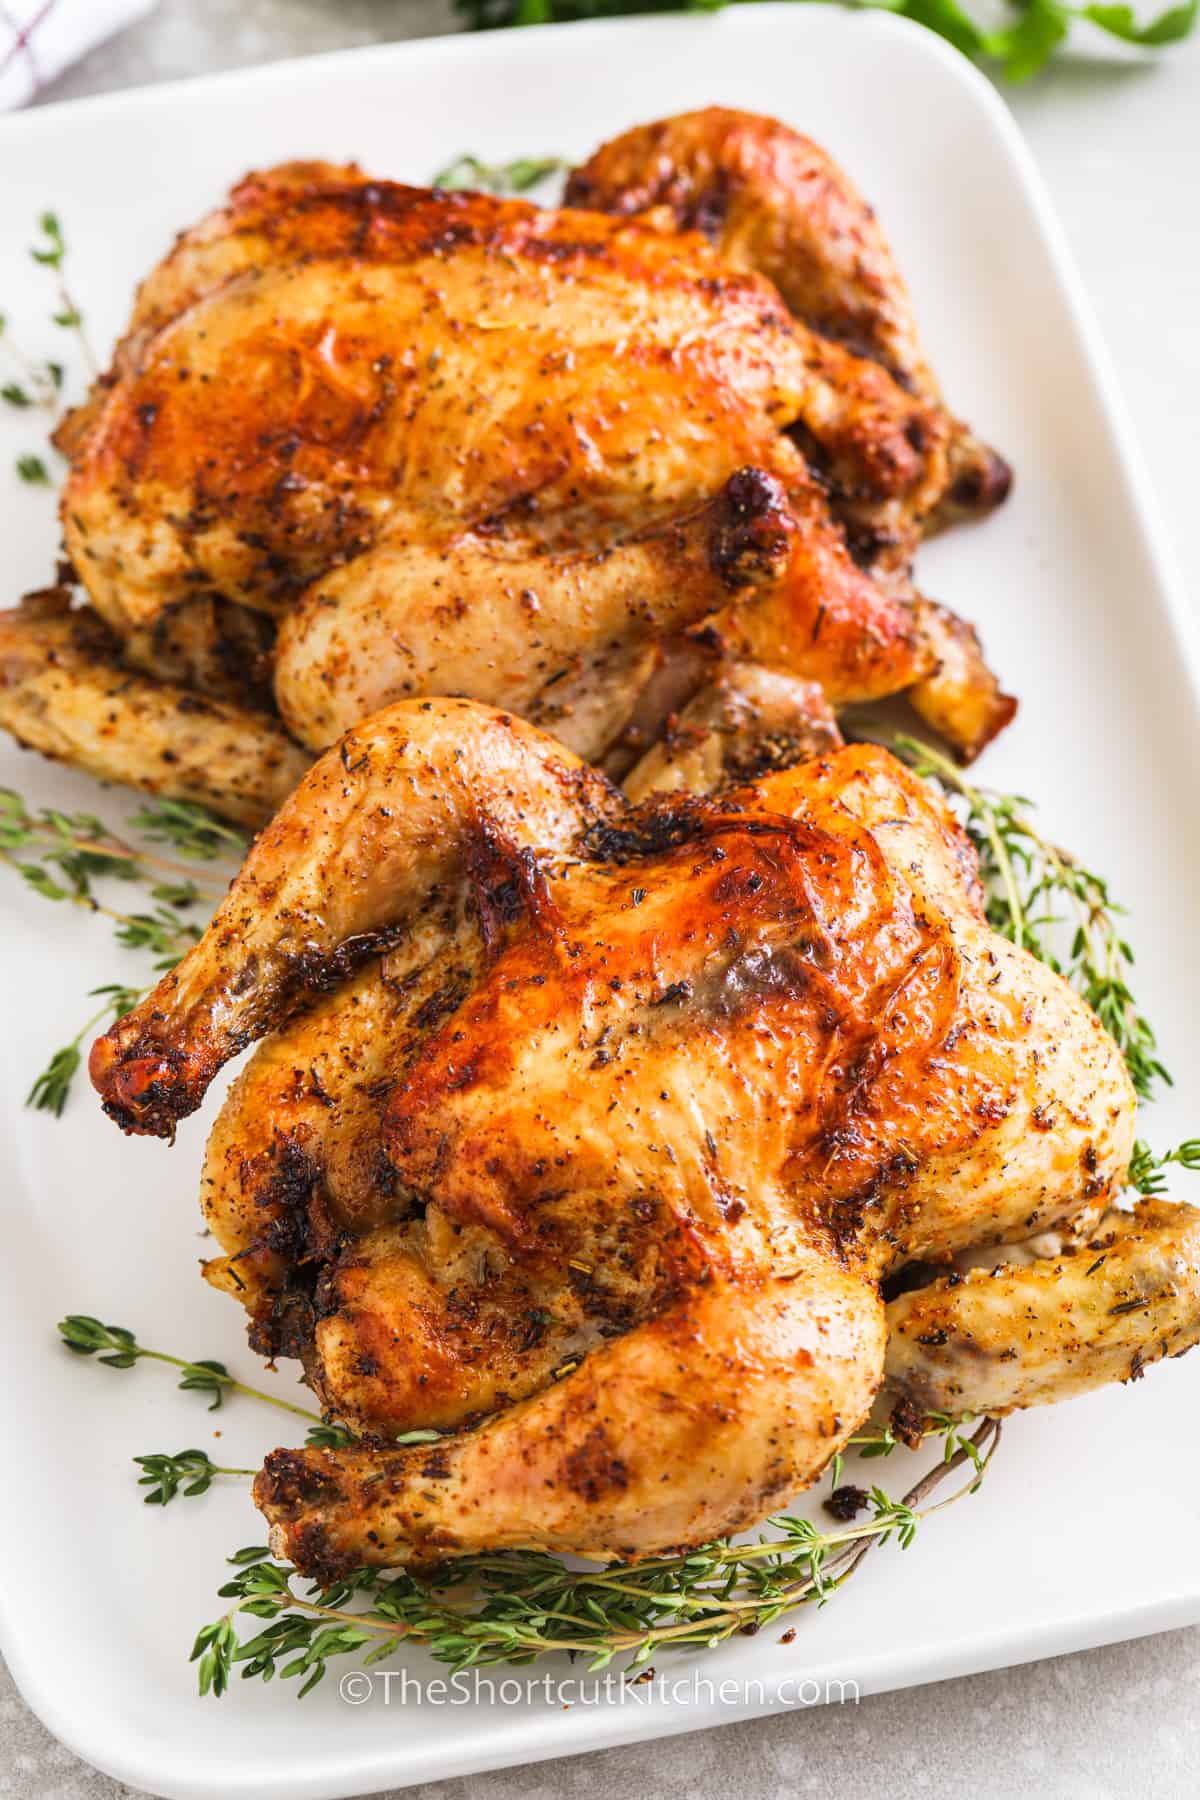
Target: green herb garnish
x,y
498,178
1027,36
61,856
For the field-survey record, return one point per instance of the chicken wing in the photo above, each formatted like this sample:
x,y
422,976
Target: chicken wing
x,y
1016,1334
66,690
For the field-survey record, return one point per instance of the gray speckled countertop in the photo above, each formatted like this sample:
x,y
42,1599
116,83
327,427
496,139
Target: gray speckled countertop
x,y
1120,149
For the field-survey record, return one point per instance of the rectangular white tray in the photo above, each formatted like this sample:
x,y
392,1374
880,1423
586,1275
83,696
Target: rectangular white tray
x,y
1087,1528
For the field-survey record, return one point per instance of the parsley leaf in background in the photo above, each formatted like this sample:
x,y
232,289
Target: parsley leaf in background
x,y
1169,28
1021,48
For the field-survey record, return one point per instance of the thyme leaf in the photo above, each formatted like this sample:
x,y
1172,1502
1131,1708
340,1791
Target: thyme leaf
x,y
52,1087
51,252
191,829
185,1472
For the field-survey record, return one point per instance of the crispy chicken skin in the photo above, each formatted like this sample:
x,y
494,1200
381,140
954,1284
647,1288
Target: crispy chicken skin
x,y
769,199
658,1093
1102,1309
364,441
66,690
388,408
743,722
328,884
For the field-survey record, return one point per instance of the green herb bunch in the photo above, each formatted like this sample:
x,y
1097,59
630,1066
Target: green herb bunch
x,y
519,1606
1030,34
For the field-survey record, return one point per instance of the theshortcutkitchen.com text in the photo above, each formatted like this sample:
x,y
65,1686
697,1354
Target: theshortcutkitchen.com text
x,y
475,1687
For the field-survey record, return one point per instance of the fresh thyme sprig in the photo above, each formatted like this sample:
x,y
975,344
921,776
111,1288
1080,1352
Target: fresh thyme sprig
x,y
83,846
522,1605
186,1472
1147,1172
88,1336
191,829
32,382
62,855
51,253
498,178
168,1473
525,1605
52,1088
35,381
874,1440
1034,889
332,1437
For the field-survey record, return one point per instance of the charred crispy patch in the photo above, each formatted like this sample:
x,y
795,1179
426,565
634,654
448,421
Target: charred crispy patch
x,y
286,1327
290,1192
148,1089
292,1479
506,883
752,532
312,1550
311,972
658,826
593,1469
908,1422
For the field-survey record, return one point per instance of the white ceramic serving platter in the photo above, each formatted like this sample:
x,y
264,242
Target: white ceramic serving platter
x,y
1087,1528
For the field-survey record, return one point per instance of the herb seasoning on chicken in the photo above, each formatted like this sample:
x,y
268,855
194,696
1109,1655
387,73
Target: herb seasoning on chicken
x,y
587,1131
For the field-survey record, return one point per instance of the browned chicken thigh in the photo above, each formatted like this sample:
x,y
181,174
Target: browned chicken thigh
x,y
586,1131
364,441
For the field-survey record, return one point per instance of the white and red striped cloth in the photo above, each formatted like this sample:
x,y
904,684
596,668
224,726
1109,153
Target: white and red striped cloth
x,y
41,38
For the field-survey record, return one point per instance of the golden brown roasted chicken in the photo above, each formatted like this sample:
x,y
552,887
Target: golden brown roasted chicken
x,y
364,441
586,1132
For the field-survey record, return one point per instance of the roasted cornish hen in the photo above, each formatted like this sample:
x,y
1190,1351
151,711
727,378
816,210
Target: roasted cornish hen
x,y
587,1131
364,441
